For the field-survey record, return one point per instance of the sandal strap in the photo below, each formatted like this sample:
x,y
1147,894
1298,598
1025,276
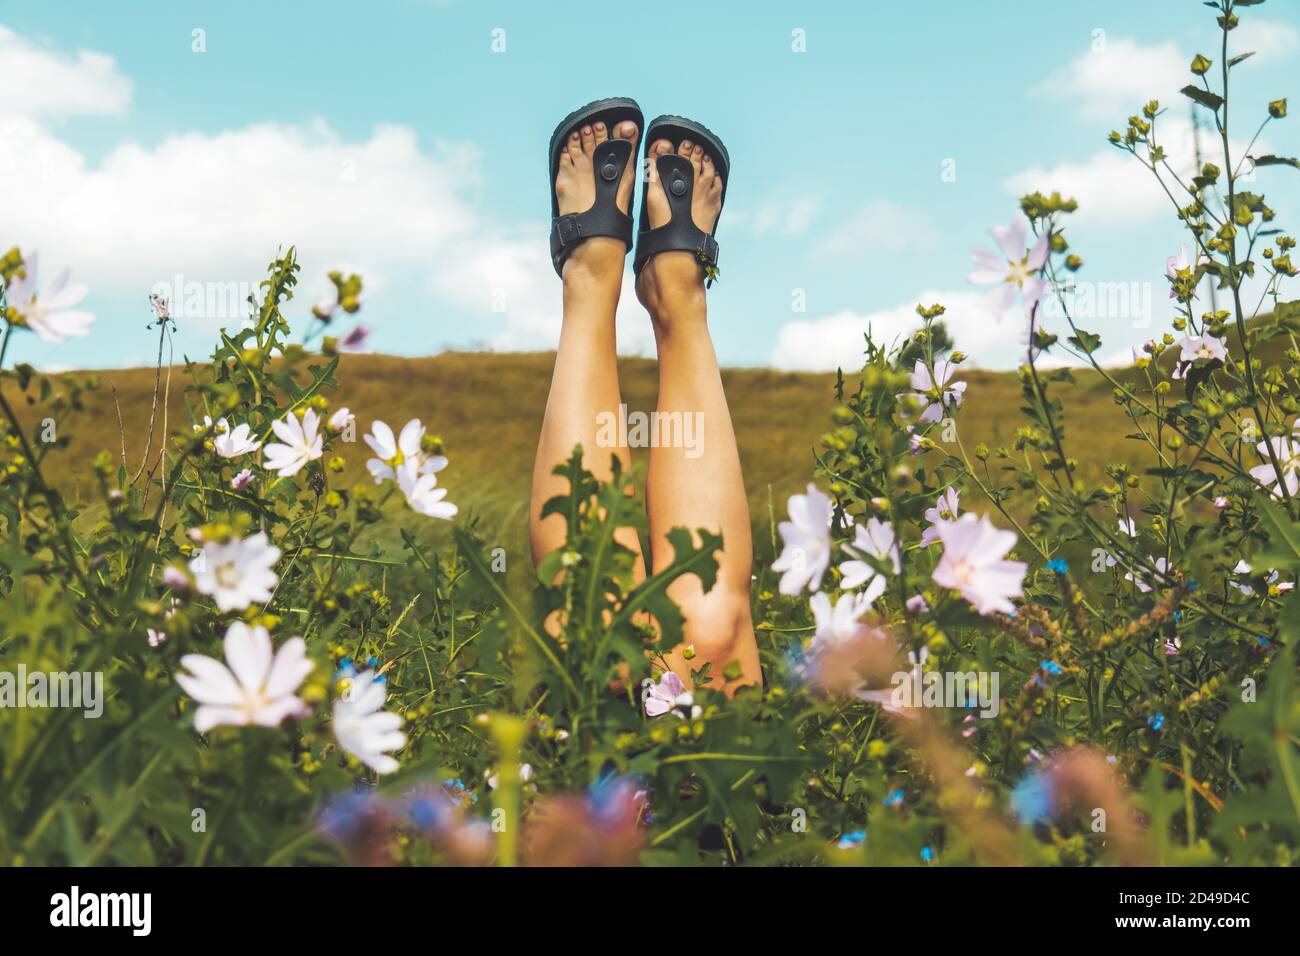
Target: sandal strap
x,y
679,233
604,218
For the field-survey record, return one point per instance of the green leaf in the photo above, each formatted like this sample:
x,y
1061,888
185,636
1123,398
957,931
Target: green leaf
x,y
1283,549
1085,341
1271,160
1211,101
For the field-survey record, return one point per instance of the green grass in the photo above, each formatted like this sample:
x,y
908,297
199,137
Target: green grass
x,y
488,408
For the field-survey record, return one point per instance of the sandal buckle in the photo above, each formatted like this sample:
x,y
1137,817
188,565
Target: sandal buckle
x,y
708,251
567,229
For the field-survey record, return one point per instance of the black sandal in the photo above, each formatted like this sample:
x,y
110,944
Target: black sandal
x,y
604,218
677,177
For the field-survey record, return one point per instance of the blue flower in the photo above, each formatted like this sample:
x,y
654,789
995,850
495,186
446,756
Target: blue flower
x,y
1263,641
927,854
1051,667
1059,565
851,841
1034,798
1156,721
894,798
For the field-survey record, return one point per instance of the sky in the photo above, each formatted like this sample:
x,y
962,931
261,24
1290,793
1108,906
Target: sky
x,y
180,146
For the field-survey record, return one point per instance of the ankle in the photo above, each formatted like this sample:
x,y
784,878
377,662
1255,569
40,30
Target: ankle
x,y
671,287
595,264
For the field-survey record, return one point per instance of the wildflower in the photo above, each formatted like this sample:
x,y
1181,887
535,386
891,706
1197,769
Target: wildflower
x,y
1274,587
935,389
927,854
1034,798
1162,566
1058,565
49,312
341,419
363,728
1128,527
1205,347
1173,647
1181,268
302,443
1015,270
1156,722
1051,667
394,452
234,443
807,538
916,605
852,840
885,696
422,493
236,573
325,309
973,563
945,509
1287,452
876,540
253,686
1220,502
669,694
175,578
241,480
155,637
354,341
894,798
840,624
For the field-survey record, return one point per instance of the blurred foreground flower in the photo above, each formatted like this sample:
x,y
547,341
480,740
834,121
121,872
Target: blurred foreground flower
x,y
601,829
47,312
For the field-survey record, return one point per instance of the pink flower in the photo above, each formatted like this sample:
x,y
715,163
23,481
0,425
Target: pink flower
x,y
667,695
1016,269
874,540
1287,451
354,341
1174,267
1199,347
241,480
973,563
807,537
935,390
945,509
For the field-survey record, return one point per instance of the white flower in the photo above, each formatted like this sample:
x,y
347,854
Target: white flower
x,y
875,539
302,443
403,450
1273,586
241,480
945,509
363,728
807,538
155,637
1287,452
972,563
1162,566
525,774
234,443
670,694
341,419
253,686
220,427
237,573
1126,526
49,312
422,493
839,624
935,390
1016,269
1199,347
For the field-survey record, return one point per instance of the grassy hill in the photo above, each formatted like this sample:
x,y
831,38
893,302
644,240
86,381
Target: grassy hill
x,y
488,409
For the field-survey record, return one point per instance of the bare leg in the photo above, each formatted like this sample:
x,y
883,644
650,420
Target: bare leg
x,y
700,486
585,381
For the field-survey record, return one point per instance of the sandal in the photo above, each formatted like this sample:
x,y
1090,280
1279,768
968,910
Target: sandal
x,y
604,218
680,233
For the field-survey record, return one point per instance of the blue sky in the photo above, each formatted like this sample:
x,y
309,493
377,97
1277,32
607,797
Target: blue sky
x,y
392,139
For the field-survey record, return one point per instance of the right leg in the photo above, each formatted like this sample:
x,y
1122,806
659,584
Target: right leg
x,y
585,381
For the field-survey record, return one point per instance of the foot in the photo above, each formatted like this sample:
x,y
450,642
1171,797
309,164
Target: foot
x,y
670,274
575,190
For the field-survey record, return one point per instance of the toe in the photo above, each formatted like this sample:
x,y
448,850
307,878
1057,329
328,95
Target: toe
x,y
706,172
626,130
574,145
697,158
588,140
601,132
684,150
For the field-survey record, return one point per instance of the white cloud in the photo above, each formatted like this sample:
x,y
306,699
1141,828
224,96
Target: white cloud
x,y
55,85
785,217
1113,81
836,341
881,226
1267,39
214,208
1113,186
